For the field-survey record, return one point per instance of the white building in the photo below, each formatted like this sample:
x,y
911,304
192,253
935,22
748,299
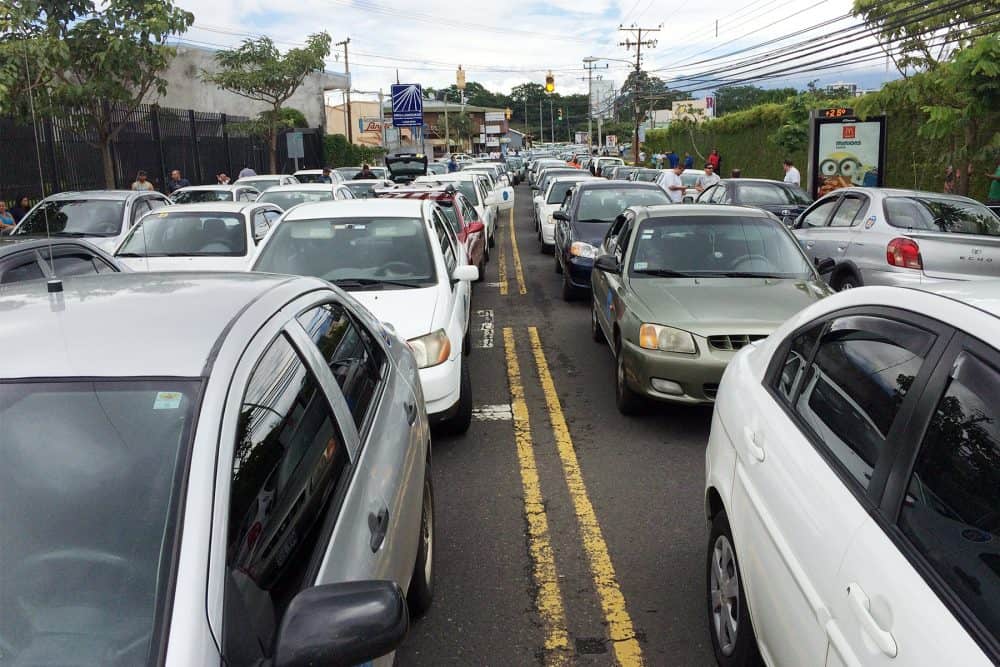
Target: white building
x,y
187,90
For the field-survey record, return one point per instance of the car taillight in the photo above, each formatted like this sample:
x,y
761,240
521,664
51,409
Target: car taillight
x,y
904,253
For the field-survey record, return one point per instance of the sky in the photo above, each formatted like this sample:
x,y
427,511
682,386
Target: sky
x,y
503,44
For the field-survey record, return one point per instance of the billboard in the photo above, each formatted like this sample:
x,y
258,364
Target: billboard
x,y
580,138
495,116
611,140
407,105
846,151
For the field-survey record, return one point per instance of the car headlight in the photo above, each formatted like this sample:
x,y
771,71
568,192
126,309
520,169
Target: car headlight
x,y
581,249
431,349
668,339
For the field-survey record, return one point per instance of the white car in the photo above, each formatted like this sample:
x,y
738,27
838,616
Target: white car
x,y
264,181
689,179
197,194
197,237
287,196
852,482
314,175
600,163
552,200
475,187
401,259
364,188
499,180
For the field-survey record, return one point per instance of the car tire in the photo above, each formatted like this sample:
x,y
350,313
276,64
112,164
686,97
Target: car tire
x,y
722,567
482,269
459,423
421,591
847,280
595,327
627,401
467,340
493,239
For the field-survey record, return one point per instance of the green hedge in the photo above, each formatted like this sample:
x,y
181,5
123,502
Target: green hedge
x,y
338,152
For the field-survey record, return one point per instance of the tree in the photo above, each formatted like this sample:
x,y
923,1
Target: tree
x,y
737,98
460,125
921,35
257,71
91,64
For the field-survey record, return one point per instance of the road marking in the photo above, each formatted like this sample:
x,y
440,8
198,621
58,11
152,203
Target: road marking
x,y
628,653
548,598
485,340
521,287
493,413
501,261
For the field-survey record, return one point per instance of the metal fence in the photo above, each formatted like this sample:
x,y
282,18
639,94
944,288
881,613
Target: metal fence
x,y
154,139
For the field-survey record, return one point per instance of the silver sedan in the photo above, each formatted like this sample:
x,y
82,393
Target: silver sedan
x,y
193,486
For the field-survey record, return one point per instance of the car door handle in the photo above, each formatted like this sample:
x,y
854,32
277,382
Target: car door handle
x,y
841,248
378,524
411,412
753,445
810,244
861,607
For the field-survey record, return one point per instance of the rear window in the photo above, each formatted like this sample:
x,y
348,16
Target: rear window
x,y
941,214
771,193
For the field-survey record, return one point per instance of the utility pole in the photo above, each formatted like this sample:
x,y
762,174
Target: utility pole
x,y
638,44
347,71
541,125
588,64
447,135
552,124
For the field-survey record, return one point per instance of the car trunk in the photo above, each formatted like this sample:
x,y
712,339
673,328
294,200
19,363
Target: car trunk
x,y
958,256
405,167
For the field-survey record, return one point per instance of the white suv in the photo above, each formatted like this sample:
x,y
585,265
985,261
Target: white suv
x,y
399,258
853,484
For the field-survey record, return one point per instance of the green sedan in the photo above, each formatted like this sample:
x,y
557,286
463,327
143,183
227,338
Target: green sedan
x,y
678,289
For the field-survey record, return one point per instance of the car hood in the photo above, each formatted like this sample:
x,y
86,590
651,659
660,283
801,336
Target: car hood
x,y
185,263
591,232
410,311
707,306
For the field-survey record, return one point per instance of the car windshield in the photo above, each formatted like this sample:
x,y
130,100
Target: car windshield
x,y
354,253
201,196
647,175
362,189
689,180
763,194
437,168
262,183
716,246
311,177
348,172
604,204
557,194
187,234
941,214
75,217
467,188
90,491
289,198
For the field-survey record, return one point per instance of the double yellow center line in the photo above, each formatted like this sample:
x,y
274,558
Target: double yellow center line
x,y
522,287
548,598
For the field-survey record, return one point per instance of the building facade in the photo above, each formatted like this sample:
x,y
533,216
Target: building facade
x,y
366,130
488,130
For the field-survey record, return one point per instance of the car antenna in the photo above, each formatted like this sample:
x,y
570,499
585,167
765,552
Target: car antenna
x,y
54,284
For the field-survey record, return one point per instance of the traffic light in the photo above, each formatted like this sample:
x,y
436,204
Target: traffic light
x,y
507,112
460,78
560,114
550,83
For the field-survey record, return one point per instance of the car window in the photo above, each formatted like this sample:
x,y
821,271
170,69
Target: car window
x,y
848,213
447,246
818,215
175,232
469,213
789,380
73,264
951,512
760,194
288,459
260,226
451,215
941,214
862,371
155,202
271,216
354,357
26,269
140,207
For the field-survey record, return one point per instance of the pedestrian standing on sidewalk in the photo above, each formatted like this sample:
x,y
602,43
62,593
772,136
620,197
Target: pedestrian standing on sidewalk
x,y
141,183
6,219
792,174
673,158
222,179
177,181
949,179
674,185
21,208
715,159
688,161
994,196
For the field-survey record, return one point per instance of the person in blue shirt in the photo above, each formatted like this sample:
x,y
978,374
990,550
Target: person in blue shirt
x,y
6,219
177,181
452,164
688,161
673,159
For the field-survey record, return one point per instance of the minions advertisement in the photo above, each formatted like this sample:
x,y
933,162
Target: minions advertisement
x,y
847,152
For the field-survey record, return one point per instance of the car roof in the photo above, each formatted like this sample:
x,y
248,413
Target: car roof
x,y
604,184
983,295
223,188
208,207
902,192
111,195
307,187
9,244
716,210
96,330
259,177
349,208
772,181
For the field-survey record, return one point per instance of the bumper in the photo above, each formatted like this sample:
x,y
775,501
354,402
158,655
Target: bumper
x,y
441,385
578,271
548,231
902,278
678,378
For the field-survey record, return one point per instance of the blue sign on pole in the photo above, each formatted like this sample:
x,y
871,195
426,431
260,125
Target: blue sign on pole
x,y
407,105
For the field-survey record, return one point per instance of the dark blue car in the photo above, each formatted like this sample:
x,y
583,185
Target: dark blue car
x,y
583,221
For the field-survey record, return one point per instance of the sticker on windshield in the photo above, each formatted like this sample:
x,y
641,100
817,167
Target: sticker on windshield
x,y
640,266
167,400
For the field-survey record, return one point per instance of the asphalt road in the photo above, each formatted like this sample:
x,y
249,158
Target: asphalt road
x,y
566,533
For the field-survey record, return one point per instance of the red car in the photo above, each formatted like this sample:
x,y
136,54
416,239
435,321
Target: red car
x,y
469,229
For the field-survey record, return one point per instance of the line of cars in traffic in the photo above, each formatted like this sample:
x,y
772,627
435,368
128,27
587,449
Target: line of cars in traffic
x,y
245,385
853,460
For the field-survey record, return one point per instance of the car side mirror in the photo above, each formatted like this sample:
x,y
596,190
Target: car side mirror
x,y
342,624
466,273
560,215
607,263
534,187
825,265
476,227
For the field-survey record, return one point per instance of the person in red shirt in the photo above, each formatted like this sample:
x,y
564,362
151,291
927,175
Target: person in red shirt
x,y
714,159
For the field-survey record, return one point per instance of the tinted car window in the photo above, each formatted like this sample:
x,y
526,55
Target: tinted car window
x,y
863,369
941,214
26,269
288,458
451,215
354,357
789,380
951,512
75,264
818,215
558,192
201,196
447,247
769,193
848,212
91,217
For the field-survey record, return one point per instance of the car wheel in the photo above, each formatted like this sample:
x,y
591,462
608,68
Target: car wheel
x,y
595,326
460,421
421,591
493,239
467,340
482,269
728,617
848,281
555,255
628,402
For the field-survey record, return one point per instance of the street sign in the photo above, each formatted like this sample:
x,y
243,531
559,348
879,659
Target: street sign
x,y
296,150
369,125
494,116
407,105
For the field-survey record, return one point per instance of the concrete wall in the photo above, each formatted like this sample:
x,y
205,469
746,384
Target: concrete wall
x,y
336,119
187,90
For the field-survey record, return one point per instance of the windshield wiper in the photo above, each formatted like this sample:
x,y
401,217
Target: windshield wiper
x,y
751,274
72,234
594,220
664,273
370,282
